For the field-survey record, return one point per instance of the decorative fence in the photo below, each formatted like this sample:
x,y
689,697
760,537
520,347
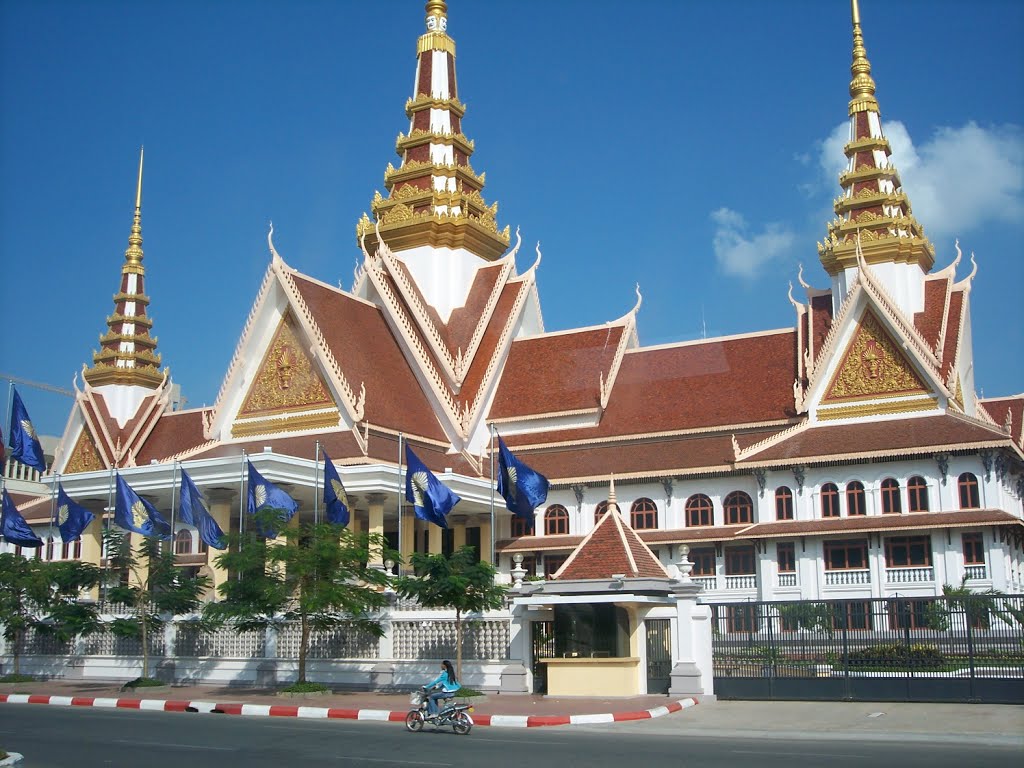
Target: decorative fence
x,y
954,648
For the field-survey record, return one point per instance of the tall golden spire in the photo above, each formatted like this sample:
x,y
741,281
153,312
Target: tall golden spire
x,y
873,208
862,86
127,352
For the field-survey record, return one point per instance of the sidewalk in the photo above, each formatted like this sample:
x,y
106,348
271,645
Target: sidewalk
x,y
979,723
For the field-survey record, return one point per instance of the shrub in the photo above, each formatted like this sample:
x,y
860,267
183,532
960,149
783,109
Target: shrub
x,y
918,656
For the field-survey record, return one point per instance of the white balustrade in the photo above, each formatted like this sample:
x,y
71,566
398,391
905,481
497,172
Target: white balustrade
x,y
787,579
842,578
975,572
909,575
708,582
746,581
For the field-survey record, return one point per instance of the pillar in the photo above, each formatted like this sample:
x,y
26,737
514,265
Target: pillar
x,y
92,543
376,527
458,532
222,507
434,539
485,541
407,546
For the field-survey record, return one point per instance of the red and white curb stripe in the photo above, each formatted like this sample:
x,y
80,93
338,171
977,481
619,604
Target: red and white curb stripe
x,y
325,713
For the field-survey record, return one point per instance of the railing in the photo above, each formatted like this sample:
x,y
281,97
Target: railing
x,y
842,578
787,579
909,575
15,470
975,572
708,582
745,581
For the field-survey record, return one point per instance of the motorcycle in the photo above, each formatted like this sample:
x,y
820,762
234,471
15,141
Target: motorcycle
x,y
455,715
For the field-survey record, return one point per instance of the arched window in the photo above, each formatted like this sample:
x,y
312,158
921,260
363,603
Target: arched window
x,y
968,485
891,497
917,494
599,511
738,508
829,500
855,503
783,503
522,526
556,520
643,514
699,511
183,542
49,547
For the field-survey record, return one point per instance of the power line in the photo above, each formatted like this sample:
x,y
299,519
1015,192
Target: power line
x,y
37,385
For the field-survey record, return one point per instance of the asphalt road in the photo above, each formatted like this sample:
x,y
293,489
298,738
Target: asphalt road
x,y
52,737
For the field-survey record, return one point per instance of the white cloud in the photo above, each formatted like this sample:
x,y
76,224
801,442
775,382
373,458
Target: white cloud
x,y
958,180
741,254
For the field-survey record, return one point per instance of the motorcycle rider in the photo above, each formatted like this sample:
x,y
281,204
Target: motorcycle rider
x,y
448,686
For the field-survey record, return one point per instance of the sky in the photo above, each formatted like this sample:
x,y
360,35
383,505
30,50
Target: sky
x,y
692,148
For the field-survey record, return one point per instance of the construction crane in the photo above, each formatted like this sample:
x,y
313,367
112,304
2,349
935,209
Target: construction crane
x,y
37,385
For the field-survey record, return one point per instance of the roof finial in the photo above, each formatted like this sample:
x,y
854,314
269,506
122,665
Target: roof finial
x,y
613,502
133,254
437,15
862,86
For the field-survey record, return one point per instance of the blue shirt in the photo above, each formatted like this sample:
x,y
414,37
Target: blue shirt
x,y
447,684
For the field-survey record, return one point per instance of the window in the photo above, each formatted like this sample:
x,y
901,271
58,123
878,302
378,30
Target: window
x,y
829,500
699,511
785,555
552,563
738,508
183,543
71,550
529,565
739,561
968,485
855,504
556,520
891,497
846,554
703,561
974,549
917,494
49,547
908,551
783,503
522,526
599,511
852,615
910,614
741,618
643,515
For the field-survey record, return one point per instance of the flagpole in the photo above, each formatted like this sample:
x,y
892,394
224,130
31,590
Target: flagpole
x,y
492,496
174,481
241,498
316,485
400,440
53,505
7,423
104,545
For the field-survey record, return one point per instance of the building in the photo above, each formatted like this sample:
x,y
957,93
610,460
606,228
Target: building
x,y
847,455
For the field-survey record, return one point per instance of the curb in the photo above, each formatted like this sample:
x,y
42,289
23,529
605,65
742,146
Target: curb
x,y
325,713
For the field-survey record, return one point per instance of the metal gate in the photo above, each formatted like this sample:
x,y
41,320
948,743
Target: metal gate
x,y
659,655
543,647
950,648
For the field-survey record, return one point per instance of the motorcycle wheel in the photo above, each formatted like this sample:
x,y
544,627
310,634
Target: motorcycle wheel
x,y
461,723
414,721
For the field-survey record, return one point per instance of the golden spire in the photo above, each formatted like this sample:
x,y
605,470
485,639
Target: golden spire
x,y
862,86
437,8
133,254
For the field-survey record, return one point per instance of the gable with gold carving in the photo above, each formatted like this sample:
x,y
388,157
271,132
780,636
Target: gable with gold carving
x,y
287,380
84,456
873,366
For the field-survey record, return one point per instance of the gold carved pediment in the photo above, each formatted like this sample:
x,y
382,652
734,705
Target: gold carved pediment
x,y
84,456
287,379
873,366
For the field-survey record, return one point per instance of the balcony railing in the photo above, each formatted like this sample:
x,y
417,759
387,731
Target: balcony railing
x,y
975,572
787,579
842,578
708,582
909,575
744,581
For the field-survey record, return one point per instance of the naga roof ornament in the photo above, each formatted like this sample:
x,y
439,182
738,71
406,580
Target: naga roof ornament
x,y
873,198
434,196
127,353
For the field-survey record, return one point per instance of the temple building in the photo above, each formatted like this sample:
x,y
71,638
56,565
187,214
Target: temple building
x,y
846,455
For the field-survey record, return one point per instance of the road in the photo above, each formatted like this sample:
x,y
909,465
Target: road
x,y
52,737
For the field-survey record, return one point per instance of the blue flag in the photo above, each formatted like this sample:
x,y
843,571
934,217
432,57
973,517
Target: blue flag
x,y
13,526
335,498
524,489
431,498
193,511
134,513
72,518
25,445
264,495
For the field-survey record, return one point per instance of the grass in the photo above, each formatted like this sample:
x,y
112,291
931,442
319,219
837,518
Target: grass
x,y
144,682
305,687
12,678
468,693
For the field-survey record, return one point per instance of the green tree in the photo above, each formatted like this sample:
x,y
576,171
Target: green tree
x,y
317,577
155,589
459,582
46,597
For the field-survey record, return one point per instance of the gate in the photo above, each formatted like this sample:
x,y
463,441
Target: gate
x,y
659,655
951,648
543,647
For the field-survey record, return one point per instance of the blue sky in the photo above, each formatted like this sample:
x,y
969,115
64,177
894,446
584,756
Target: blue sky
x,y
686,146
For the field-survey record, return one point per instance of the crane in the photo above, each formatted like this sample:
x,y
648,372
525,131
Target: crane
x,y
37,384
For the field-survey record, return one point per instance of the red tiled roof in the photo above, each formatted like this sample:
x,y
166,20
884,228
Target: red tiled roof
x,y
998,407
897,436
953,321
820,320
489,342
612,547
174,432
464,319
929,321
